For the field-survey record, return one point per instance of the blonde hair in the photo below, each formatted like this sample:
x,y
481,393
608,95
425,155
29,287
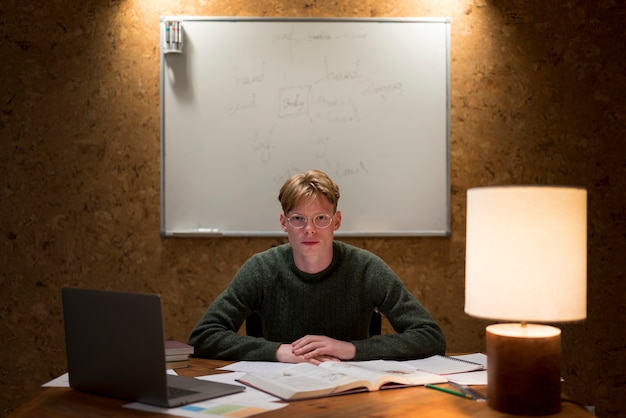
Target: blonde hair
x,y
309,185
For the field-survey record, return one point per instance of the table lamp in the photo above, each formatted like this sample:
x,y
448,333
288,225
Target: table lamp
x,y
526,261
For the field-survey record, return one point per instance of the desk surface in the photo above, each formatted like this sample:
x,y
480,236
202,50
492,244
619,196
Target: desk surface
x,y
405,402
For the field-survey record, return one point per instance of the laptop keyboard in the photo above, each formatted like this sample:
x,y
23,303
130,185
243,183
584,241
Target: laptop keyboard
x,y
174,393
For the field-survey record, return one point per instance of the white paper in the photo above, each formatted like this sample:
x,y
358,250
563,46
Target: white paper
x,y
226,406
479,358
470,378
243,404
62,381
249,395
443,365
256,366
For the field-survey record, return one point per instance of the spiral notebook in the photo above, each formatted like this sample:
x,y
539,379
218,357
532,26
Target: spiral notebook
x,y
446,365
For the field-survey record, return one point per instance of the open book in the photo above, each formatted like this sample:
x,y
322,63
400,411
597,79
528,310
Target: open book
x,y
305,380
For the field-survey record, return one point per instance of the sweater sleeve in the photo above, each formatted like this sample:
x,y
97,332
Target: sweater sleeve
x,y
417,335
216,333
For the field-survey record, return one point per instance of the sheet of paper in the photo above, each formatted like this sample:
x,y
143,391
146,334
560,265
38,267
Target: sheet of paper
x,y
249,395
443,365
62,381
244,404
478,377
255,366
226,406
479,358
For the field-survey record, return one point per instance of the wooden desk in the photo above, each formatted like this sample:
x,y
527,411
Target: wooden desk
x,y
405,402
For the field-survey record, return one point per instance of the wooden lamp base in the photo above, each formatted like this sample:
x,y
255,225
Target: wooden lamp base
x,y
524,369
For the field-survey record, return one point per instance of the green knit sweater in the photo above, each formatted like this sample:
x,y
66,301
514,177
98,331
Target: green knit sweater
x,y
337,302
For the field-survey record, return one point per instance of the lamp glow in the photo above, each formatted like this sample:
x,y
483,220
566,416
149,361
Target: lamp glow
x,y
526,260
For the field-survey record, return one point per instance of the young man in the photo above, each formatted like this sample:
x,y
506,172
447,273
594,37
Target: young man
x,y
315,296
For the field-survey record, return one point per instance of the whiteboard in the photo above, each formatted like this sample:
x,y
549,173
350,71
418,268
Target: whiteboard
x,y
252,101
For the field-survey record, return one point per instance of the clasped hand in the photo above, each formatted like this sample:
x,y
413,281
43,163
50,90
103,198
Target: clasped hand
x,y
315,349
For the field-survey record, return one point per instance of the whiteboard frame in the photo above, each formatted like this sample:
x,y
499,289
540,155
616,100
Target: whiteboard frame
x,y
201,232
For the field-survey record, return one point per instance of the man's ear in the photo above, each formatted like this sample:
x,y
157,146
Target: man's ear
x,y
283,222
337,220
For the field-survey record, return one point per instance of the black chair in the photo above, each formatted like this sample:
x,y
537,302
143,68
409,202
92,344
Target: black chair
x,y
254,327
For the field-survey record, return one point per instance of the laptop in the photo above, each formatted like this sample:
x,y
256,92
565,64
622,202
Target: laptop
x,y
115,347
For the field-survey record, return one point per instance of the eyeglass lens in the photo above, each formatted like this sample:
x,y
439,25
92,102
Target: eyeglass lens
x,y
320,221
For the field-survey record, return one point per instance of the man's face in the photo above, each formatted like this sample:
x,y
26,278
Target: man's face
x,y
311,241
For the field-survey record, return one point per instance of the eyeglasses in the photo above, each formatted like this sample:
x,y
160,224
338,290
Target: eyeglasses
x,y
320,221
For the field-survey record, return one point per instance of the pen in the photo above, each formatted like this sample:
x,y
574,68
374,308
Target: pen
x,y
450,391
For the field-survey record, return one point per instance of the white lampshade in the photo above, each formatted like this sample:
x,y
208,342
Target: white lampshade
x,y
526,253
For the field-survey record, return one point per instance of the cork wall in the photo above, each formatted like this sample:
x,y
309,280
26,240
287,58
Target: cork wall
x,y
536,98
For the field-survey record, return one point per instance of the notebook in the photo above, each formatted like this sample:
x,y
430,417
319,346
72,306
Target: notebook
x,y
448,365
115,347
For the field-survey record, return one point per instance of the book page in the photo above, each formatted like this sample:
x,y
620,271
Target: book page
x,y
380,372
306,375
303,380
348,368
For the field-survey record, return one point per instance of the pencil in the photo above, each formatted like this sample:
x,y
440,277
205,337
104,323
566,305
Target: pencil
x,y
450,391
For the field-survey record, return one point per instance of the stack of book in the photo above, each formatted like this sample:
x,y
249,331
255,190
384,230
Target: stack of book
x,y
177,354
